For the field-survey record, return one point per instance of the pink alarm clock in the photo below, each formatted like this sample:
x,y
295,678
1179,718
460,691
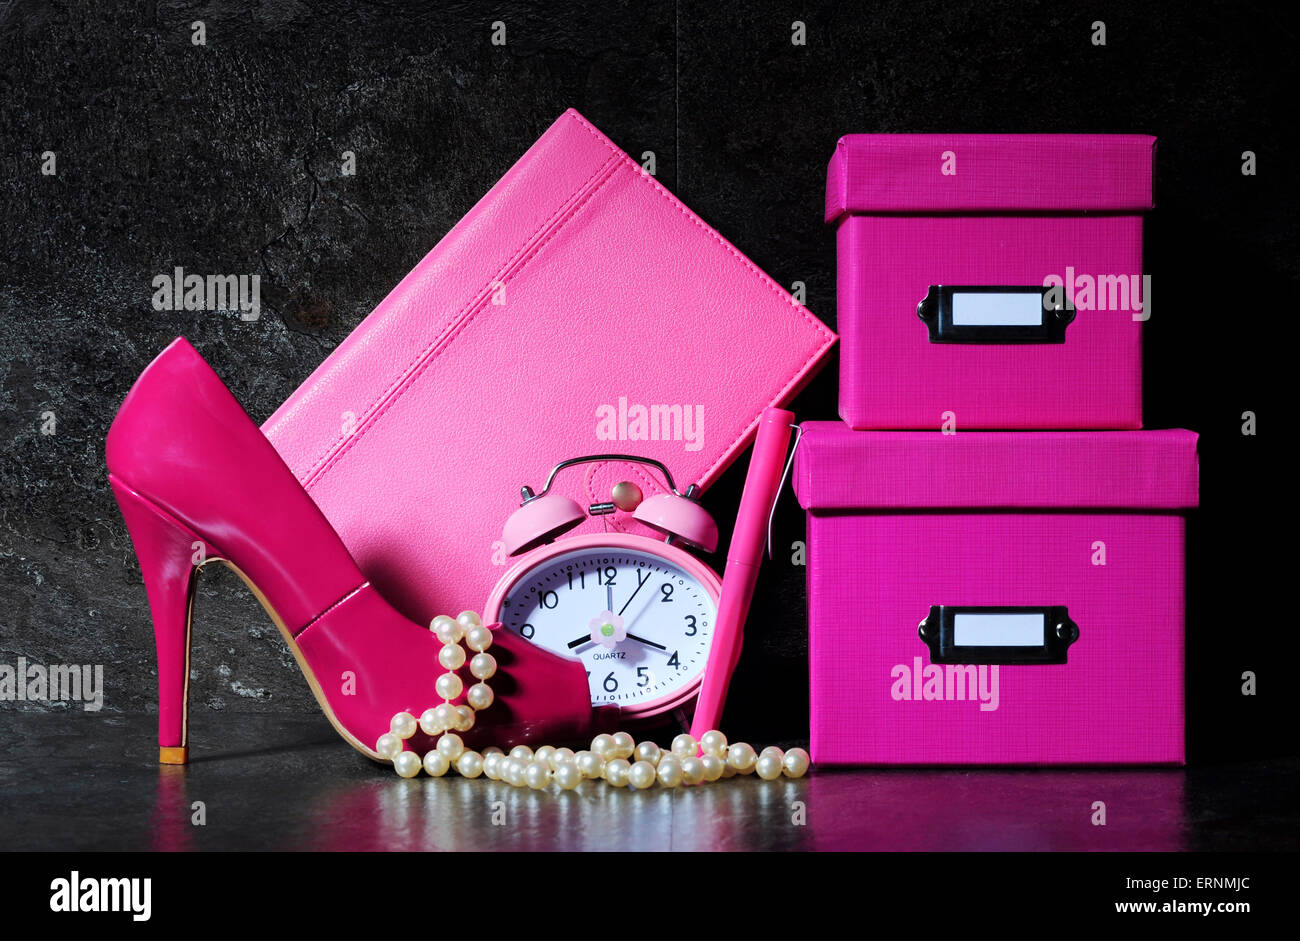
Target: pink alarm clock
x,y
639,612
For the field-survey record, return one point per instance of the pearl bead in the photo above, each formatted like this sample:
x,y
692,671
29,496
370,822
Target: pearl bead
x,y
449,686
452,656
446,717
464,718
641,775
714,743
687,761
469,619
624,745
478,638
436,764
448,631
429,723
590,764
741,757
470,764
403,725
617,770
537,776
407,764
603,745
685,746
451,746
567,775
670,772
483,666
768,767
388,746
441,625
713,767
796,763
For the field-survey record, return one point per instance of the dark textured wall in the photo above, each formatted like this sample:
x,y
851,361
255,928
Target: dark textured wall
x,y
226,158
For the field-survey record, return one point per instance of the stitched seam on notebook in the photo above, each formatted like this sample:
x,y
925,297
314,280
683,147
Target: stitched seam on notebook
x,y
685,210
465,318
618,158
322,463
752,268
380,404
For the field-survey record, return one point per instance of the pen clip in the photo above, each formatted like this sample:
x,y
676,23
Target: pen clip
x,y
785,475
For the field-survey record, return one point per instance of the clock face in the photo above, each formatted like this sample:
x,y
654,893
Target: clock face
x,y
640,622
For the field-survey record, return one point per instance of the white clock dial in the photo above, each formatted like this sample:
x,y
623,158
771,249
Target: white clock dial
x,y
641,624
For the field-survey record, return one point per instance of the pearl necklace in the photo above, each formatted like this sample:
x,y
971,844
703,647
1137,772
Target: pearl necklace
x,y
615,758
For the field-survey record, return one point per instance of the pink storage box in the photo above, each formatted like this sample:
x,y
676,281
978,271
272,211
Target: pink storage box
x,y
1048,569
968,231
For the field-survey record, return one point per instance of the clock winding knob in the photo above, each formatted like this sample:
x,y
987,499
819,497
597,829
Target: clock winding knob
x,y
626,496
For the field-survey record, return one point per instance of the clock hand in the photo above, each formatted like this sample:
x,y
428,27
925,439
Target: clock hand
x,y
631,596
586,639
631,621
609,598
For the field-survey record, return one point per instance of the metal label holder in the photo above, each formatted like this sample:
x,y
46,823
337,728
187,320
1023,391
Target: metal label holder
x,y
993,314
997,634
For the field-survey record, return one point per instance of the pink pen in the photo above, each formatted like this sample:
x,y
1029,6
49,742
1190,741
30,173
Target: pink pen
x,y
744,556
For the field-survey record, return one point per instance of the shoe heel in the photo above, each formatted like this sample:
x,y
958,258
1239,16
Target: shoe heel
x,y
167,551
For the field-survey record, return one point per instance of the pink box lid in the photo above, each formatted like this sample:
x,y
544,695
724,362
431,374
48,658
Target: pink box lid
x,y
872,173
837,468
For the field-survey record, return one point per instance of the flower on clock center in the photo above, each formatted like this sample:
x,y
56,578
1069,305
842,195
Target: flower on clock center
x,y
607,629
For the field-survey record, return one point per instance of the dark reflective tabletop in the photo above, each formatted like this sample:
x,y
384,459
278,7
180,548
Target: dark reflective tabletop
x,y
288,783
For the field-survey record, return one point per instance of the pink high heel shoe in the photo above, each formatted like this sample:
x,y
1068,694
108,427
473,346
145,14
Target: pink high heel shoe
x,y
197,482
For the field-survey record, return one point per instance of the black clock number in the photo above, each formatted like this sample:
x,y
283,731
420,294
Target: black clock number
x,y
646,678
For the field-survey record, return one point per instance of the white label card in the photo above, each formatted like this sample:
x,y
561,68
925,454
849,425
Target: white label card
x,y
970,309
999,630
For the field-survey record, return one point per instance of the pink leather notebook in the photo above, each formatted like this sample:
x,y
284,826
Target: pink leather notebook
x,y
578,308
